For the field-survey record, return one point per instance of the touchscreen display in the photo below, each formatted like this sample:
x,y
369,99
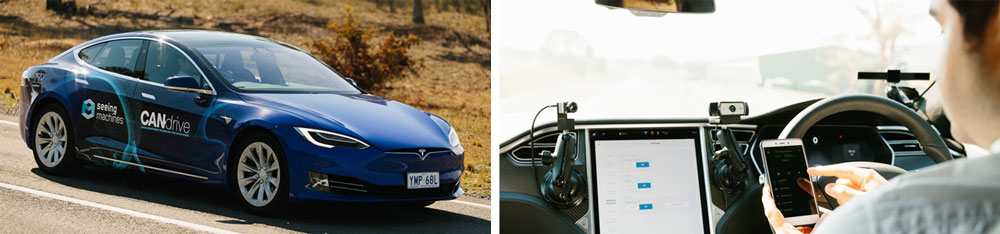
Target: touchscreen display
x,y
648,185
786,169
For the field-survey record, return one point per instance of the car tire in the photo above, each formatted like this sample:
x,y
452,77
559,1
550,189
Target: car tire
x,y
53,141
259,186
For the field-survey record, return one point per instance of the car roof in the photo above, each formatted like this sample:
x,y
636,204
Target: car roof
x,y
195,38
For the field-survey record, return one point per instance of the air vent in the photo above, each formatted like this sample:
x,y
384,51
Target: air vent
x,y
896,135
543,143
901,142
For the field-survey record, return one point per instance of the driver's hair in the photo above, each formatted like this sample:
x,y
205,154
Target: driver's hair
x,y
981,29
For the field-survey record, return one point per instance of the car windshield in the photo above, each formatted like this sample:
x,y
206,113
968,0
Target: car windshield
x,y
273,68
770,53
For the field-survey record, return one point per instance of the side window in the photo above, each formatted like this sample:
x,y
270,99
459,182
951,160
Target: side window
x,y
88,54
163,61
118,56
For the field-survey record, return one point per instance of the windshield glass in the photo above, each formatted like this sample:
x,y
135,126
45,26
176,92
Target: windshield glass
x,y
770,53
271,67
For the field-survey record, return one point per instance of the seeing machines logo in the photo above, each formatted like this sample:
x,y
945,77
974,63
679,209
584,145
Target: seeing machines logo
x,y
88,109
106,112
164,123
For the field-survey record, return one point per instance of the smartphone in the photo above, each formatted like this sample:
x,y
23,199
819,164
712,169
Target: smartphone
x,y
793,192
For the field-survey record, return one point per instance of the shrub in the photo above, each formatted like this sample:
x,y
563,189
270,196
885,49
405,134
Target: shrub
x,y
371,66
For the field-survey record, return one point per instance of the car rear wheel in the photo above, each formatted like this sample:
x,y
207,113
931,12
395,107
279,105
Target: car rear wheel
x,y
53,142
260,176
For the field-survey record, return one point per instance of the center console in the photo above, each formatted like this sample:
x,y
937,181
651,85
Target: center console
x,y
648,180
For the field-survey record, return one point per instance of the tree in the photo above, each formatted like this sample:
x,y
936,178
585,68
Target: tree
x,y
885,21
357,53
888,20
486,12
418,12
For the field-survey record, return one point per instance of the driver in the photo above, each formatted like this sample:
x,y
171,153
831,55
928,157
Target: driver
x,y
961,196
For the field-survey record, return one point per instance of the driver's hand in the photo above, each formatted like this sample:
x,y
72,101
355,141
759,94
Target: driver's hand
x,y
776,219
851,181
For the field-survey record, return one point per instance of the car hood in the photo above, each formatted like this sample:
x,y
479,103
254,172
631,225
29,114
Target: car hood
x,y
383,123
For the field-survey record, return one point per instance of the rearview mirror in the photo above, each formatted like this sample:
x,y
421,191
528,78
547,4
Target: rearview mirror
x,y
661,7
185,84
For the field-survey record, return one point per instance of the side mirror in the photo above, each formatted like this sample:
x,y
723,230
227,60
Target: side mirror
x,y
349,80
660,7
185,84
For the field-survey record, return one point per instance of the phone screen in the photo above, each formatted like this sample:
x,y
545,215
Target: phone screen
x,y
790,185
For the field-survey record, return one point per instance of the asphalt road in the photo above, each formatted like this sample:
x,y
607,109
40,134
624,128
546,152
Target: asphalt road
x,y
103,200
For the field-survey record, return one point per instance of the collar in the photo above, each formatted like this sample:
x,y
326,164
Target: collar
x,y
995,147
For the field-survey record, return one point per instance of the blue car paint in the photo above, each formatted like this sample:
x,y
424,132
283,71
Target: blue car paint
x,y
203,153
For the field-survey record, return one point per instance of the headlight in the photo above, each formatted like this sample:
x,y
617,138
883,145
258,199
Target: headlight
x,y
330,139
453,138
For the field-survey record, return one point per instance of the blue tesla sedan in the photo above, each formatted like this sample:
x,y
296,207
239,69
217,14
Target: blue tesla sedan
x,y
256,116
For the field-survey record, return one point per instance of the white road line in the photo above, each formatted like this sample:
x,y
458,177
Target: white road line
x,y
8,122
470,203
197,227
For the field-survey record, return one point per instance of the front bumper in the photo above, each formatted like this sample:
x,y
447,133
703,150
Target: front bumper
x,y
369,175
23,111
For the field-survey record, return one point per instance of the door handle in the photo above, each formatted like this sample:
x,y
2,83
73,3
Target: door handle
x,y
148,96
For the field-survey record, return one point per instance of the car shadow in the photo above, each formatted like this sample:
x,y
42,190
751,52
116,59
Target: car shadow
x,y
310,218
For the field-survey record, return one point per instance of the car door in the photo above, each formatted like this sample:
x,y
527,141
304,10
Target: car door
x,y
171,121
100,100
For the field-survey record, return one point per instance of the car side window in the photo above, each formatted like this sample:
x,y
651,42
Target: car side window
x,y
119,57
163,61
88,54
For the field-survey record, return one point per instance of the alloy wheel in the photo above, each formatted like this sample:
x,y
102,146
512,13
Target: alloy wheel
x,y
50,139
258,174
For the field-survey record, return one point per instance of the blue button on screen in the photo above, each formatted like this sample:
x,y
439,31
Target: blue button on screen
x,y
648,206
645,185
642,164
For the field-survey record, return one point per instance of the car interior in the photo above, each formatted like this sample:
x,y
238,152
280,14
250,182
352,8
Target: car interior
x,y
703,175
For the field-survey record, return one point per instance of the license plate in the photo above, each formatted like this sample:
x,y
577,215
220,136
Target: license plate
x,y
422,180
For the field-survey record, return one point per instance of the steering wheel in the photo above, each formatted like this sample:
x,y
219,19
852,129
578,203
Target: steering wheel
x,y
930,140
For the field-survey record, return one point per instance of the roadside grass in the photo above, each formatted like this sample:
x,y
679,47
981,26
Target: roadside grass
x,y
454,55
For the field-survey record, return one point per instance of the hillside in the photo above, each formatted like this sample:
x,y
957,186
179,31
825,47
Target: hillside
x,y
453,80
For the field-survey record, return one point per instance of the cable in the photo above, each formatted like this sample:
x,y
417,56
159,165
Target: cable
x,y
531,143
928,88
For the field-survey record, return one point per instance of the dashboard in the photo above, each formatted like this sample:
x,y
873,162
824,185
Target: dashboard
x,y
831,144
646,176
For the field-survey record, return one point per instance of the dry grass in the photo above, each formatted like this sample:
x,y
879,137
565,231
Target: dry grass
x,y
453,80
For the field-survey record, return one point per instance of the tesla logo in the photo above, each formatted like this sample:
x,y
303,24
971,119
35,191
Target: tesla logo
x,y
88,109
422,153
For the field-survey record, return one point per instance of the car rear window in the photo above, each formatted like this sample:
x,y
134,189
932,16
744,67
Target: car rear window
x,y
118,56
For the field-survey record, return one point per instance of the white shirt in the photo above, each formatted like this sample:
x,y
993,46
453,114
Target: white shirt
x,y
960,196
995,147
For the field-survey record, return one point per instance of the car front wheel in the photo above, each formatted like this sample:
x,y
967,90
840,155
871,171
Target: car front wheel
x,y
260,176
